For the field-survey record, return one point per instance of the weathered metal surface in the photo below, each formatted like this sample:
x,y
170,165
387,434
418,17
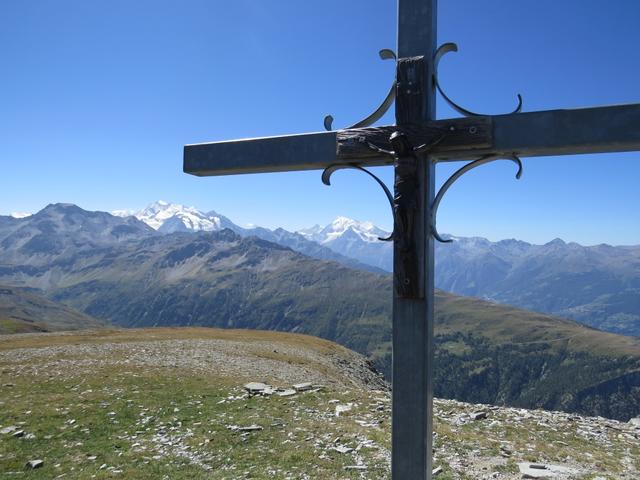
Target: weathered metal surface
x,y
308,151
553,132
567,132
412,362
312,151
459,134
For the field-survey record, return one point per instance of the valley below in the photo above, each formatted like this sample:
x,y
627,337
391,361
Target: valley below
x,y
179,403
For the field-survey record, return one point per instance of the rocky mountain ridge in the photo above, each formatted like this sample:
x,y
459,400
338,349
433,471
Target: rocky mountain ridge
x,y
595,285
171,217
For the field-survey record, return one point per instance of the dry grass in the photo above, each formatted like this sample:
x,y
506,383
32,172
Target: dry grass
x,y
167,333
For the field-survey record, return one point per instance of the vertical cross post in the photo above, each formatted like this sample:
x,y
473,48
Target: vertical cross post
x,y
413,316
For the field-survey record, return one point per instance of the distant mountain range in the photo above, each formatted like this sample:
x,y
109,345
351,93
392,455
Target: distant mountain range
x,y
170,218
122,271
595,285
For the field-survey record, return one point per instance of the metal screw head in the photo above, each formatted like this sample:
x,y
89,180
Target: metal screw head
x,y
473,130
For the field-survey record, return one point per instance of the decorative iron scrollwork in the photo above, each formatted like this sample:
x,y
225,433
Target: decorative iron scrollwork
x,y
457,174
405,161
442,51
405,158
385,54
326,179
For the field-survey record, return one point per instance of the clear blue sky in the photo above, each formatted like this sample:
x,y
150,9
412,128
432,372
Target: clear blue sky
x,y
98,98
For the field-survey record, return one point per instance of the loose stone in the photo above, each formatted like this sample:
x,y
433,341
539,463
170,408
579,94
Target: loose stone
x,y
302,387
480,415
33,464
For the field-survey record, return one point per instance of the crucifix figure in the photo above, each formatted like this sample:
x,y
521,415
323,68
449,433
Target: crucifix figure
x,y
414,145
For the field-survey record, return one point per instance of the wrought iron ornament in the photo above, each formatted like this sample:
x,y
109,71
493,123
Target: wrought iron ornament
x,y
405,162
385,54
458,173
326,179
441,52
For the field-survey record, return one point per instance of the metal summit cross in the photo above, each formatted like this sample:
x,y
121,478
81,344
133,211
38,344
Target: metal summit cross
x,y
414,145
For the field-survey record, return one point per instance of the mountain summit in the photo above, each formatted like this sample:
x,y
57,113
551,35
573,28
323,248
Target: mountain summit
x,y
173,217
354,239
365,231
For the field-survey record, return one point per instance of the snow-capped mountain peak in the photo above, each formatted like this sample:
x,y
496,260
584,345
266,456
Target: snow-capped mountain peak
x,y
341,227
355,239
123,213
174,217
20,214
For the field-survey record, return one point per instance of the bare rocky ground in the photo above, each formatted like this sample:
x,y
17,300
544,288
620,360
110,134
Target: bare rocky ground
x,y
177,403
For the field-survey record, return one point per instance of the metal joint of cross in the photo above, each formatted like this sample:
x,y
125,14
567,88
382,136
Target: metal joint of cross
x,y
414,145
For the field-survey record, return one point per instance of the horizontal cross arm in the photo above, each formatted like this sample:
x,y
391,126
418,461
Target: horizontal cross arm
x,y
567,132
553,132
260,155
312,151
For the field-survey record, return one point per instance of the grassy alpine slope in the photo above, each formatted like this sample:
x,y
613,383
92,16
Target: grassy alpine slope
x,y
23,312
170,403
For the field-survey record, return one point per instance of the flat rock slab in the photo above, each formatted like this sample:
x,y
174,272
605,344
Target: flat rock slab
x,y
9,429
340,409
303,387
256,387
537,470
479,415
342,449
287,392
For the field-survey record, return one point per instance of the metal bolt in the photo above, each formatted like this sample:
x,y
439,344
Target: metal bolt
x,y
452,128
473,130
